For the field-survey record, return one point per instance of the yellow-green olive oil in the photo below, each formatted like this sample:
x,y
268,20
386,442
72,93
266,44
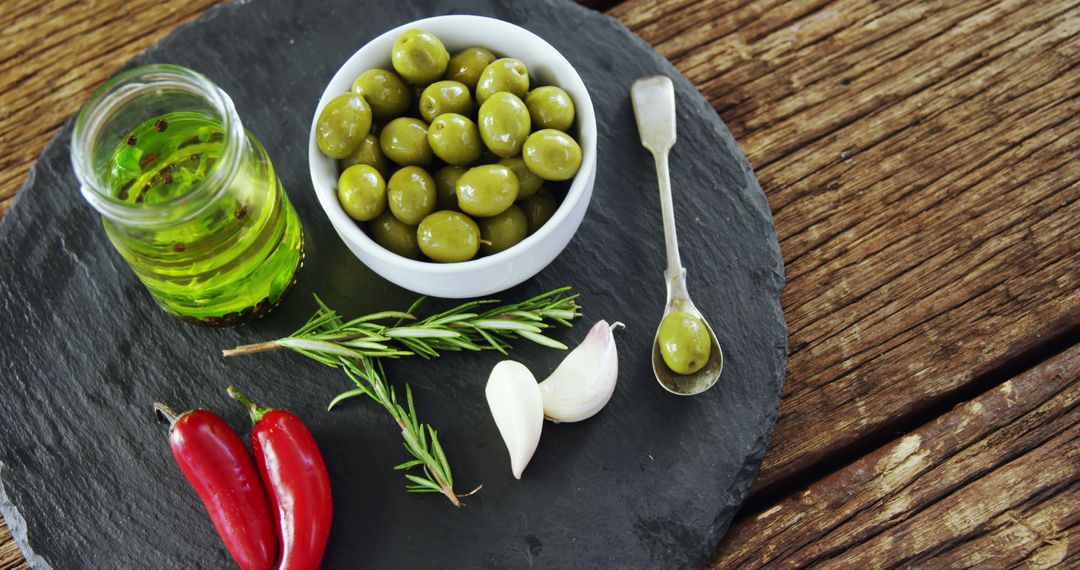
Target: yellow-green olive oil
x,y
233,243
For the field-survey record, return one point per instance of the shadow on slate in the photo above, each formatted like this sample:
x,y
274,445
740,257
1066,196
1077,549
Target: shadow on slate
x,y
653,481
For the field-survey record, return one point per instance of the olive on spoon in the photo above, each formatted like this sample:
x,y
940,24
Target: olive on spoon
x,y
653,99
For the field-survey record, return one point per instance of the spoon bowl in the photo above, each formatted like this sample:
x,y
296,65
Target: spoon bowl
x,y
653,99
696,382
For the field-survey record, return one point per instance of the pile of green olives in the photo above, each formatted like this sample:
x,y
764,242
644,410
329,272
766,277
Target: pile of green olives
x,y
447,157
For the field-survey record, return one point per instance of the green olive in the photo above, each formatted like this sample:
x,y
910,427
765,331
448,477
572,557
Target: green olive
x,y
343,124
387,94
528,183
419,57
502,231
411,193
404,141
685,343
395,236
538,209
369,153
448,237
504,124
454,139
467,65
550,108
445,97
487,190
551,154
446,186
506,74
362,192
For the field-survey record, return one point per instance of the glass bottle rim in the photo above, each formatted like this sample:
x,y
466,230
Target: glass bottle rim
x,y
125,87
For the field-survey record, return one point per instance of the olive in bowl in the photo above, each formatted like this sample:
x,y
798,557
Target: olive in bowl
x,y
549,224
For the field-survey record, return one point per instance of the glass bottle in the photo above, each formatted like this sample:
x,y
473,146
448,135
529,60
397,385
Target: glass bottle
x,y
186,195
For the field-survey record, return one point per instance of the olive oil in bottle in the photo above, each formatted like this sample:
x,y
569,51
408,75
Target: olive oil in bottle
x,y
192,202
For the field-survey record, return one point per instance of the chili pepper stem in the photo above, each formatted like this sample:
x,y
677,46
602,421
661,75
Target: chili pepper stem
x,y
165,414
254,410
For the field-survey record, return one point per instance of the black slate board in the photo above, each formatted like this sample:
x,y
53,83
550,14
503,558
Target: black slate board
x,y
86,478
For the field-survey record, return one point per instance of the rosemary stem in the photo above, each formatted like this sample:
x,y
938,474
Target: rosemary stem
x,y
251,348
446,489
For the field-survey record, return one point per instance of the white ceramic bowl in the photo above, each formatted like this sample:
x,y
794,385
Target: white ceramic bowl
x,y
492,273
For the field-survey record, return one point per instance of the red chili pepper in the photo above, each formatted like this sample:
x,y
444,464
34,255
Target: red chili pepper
x,y
214,460
295,476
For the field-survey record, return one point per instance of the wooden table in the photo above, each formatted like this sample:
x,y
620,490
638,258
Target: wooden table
x,y
922,163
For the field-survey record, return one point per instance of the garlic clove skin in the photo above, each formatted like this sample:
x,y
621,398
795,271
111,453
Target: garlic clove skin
x,y
514,398
585,380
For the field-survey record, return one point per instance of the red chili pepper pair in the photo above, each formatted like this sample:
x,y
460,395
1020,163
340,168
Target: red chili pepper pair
x,y
290,481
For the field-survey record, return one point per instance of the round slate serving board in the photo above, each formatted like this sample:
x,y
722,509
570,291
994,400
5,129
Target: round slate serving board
x,y
86,477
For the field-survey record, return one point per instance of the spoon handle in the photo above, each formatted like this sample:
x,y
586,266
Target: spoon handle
x,y
667,211
653,99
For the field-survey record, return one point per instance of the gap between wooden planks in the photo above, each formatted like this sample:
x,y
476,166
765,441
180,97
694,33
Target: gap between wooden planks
x,y
921,161
919,156
994,482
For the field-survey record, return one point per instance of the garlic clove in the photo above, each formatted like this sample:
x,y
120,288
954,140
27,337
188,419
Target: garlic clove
x,y
514,398
585,380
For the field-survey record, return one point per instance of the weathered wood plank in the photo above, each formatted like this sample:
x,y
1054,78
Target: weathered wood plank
x,y
921,160
10,556
994,482
54,54
920,157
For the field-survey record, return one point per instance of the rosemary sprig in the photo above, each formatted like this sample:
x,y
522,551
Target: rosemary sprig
x,y
421,440
326,336
359,345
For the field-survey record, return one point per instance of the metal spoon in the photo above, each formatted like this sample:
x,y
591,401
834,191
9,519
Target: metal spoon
x,y
654,108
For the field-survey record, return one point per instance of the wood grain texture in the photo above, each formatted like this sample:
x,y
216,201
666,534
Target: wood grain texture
x,y
921,161
994,482
10,556
54,54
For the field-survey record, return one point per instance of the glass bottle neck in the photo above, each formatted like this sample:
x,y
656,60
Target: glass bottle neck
x,y
156,146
